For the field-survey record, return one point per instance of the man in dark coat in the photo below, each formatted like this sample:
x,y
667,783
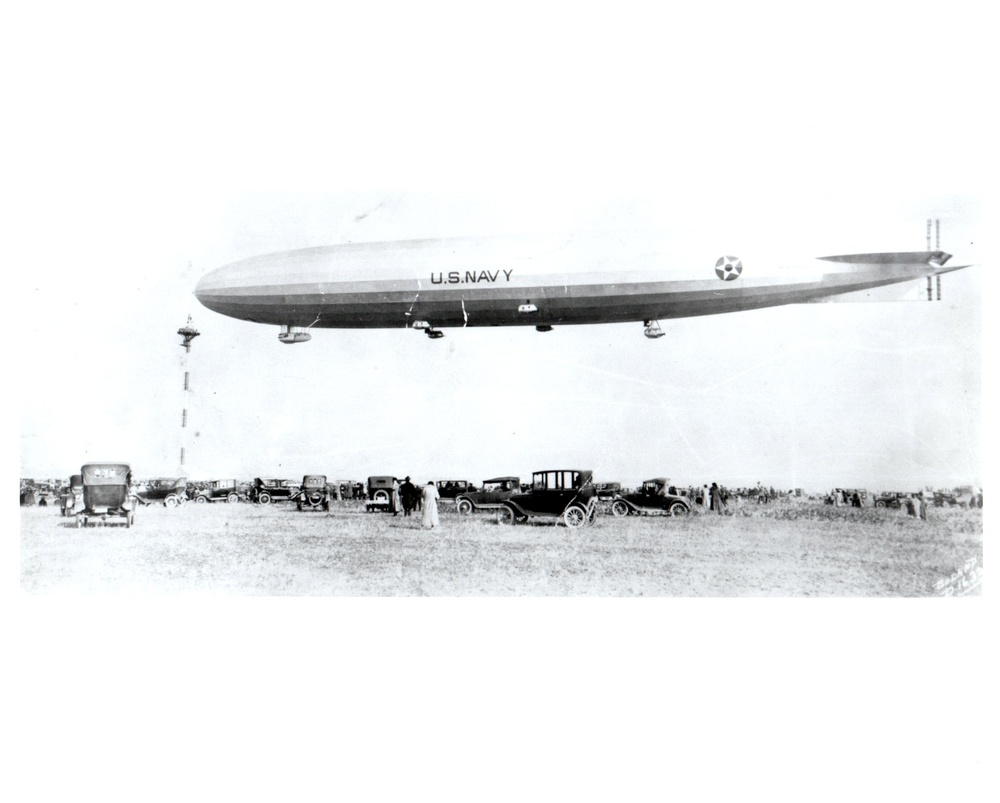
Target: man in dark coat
x,y
407,493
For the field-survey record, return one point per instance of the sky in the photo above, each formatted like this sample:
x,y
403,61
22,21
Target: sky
x,y
815,396
734,135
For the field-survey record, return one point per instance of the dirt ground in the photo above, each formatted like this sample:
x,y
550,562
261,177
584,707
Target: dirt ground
x,y
785,550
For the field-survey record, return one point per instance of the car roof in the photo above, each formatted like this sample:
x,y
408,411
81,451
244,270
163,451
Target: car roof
x,y
504,479
661,480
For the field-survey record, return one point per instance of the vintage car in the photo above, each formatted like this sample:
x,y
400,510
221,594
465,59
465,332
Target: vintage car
x,y
379,493
106,494
566,495
490,497
451,489
314,493
267,490
168,491
607,491
219,491
894,499
948,499
654,497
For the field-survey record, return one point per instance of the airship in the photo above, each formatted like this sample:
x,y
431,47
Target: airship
x,y
540,281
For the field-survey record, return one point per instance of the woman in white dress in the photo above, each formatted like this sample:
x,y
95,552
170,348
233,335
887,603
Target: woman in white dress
x,y
430,506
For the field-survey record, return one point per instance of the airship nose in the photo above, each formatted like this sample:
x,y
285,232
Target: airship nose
x,y
214,288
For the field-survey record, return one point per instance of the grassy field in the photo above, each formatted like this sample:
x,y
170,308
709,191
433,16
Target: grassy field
x,y
790,549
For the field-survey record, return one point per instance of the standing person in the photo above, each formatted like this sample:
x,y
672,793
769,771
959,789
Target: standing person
x,y
396,502
430,506
408,492
706,499
717,502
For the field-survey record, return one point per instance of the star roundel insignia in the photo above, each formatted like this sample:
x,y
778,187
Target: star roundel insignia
x,y
728,268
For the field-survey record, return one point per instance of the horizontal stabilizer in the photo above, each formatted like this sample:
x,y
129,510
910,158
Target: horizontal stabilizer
x,y
893,258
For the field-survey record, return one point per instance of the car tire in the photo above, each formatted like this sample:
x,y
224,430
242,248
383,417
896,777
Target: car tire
x,y
880,504
619,508
464,507
200,500
233,498
677,509
171,501
506,515
264,498
575,517
380,497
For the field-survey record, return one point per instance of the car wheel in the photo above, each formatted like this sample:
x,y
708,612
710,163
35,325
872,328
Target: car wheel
x,y
200,500
464,507
264,498
677,509
381,497
505,515
619,508
575,517
171,501
233,497
880,504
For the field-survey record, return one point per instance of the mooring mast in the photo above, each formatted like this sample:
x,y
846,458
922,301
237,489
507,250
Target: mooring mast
x,y
189,333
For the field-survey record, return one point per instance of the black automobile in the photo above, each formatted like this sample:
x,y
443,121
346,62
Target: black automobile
x,y
169,491
267,490
379,493
566,495
490,497
314,493
219,491
451,489
947,499
107,494
655,497
894,499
